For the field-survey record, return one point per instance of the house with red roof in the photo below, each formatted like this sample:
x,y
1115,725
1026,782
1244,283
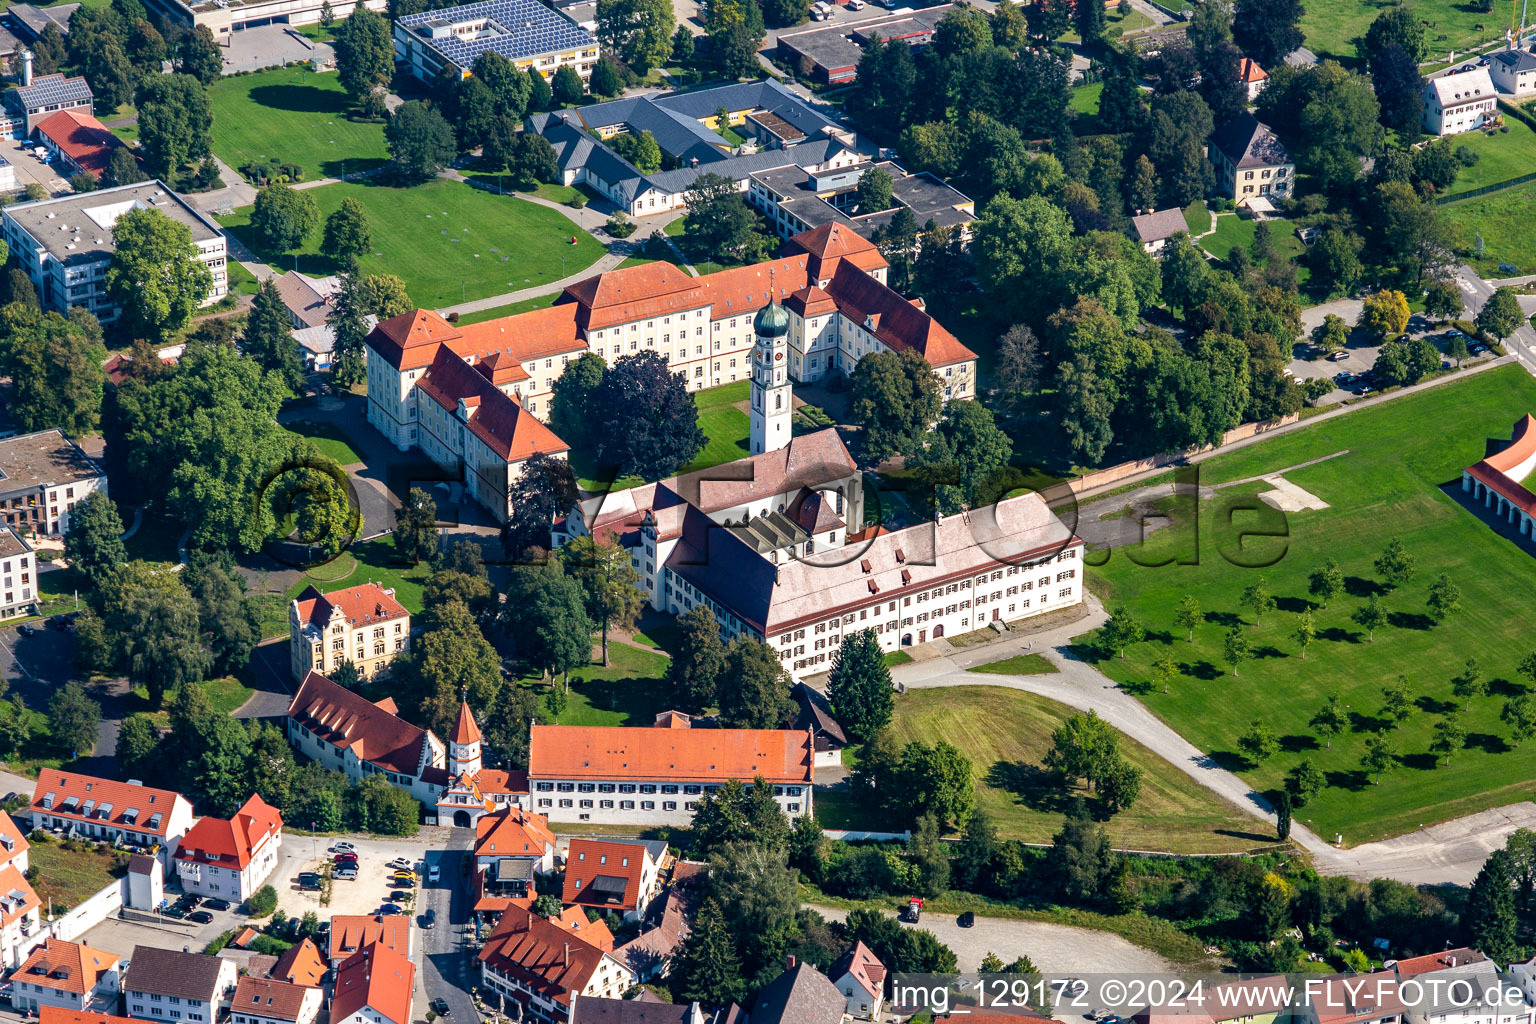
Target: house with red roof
x,y
230,858
361,624
300,964
265,1001
131,812
544,965
1498,482
19,905
860,977
512,846
78,141
622,876
375,985
67,975
351,933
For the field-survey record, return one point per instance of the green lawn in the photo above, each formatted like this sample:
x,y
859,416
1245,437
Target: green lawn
x,y
630,691
1332,25
1197,217
364,561
894,658
448,241
1501,219
1006,734
327,437
723,423
1018,665
241,281
70,876
511,309
1503,155
1388,484
57,589
1237,229
225,696
292,116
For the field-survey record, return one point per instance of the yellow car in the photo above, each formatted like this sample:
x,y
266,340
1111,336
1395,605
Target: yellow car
x,y
403,878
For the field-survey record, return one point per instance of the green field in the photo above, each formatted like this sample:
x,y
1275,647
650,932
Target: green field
x,y
448,241
328,438
1197,217
294,117
511,309
1018,665
629,691
1501,218
1502,156
1398,457
1006,734
365,561
722,421
1237,230
68,877
1332,25
225,696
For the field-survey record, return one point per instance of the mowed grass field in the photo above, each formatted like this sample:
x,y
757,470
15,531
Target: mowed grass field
x,y
1502,219
293,117
726,426
1332,25
447,241
1006,734
1398,456
1502,156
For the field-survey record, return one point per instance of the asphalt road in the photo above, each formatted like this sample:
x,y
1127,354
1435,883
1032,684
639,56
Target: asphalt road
x,y
449,969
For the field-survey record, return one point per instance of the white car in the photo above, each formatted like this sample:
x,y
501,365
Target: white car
x,y
399,862
856,5
343,847
434,874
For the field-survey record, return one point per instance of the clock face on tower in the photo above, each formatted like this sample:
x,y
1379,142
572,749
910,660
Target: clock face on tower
x,y
778,355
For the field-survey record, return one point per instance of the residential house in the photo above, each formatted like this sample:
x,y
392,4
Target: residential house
x,y
1250,162
68,976
126,813
1253,77
230,859
649,953
1154,229
617,875
59,1015
300,964
43,475
264,1001
597,1010
1461,102
177,988
543,965
860,976
363,624
79,142
801,995
1354,999
815,716
351,934
1514,72
20,909
375,985
1462,986
310,302
624,775
511,847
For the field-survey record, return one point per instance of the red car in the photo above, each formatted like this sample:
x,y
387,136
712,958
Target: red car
x,y
345,858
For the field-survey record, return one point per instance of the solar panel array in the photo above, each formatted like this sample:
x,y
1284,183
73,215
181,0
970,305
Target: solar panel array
x,y
529,29
50,89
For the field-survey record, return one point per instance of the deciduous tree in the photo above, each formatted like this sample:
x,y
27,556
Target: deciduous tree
x,y
1395,564
175,123
1501,314
283,216
638,31
758,697
155,276
420,140
1326,582
416,526
693,674
365,58
347,233
1236,647
1369,616
611,584
895,398
1304,781
1259,743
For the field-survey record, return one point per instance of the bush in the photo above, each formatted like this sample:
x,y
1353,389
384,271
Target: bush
x,y
263,902
269,945
578,202
218,943
620,226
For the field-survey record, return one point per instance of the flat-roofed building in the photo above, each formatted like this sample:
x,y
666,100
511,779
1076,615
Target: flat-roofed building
x,y
43,476
65,245
527,33
830,54
225,17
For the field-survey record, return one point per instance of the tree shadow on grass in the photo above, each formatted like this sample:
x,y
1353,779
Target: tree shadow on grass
x,y
1294,605
1224,619
336,168
1410,620
1488,742
1161,636
1434,706
1138,688
1359,586
1089,653
1367,723
1202,669
301,99
1502,687
1230,760
1247,837
1269,651
638,699
1353,780
1339,635
1420,762
1036,788
1295,744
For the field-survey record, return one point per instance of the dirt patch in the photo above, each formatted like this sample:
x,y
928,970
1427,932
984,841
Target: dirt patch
x,y
1287,497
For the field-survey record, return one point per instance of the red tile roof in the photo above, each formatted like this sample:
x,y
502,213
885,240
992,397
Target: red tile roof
x,y
830,244
1363,997
574,920
465,730
268,998
545,957
65,966
361,605
493,416
110,801
81,137
1248,70
897,322
247,936
588,859
346,720
47,1014
513,832
865,967
17,899
223,842
12,843
708,755
1504,471
300,964
1437,961
377,977
352,934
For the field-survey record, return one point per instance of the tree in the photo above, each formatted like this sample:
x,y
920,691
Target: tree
x,y
539,95
718,226
859,685
605,79
682,46
1396,705
1501,314
895,398
198,55
1490,911
1164,668
55,368
420,140
1189,616
1384,313
1444,598
1049,19
268,337
1083,747
327,14
1120,786
533,160
94,543
567,87
973,854
348,319
1399,27
736,814
545,489
651,423
759,695
640,149
73,719
448,663
1080,861
1450,735
707,968
1258,744
1395,564
1519,713
962,462
137,740
1089,19
1016,375
1528,667
1379,758
1442,300
693,674
736,30
1236,647
936,779
638,31
1326,582
416,527
122,167
1121,630
1330,719
1469,681
874,191
1306,632
509,87
282,217
1369,616
1283,816
1335,262
603,569
347,234
1257,596
155,276
1409,233
365,58
1304,781
384,296
175,123
1399,89
1267,29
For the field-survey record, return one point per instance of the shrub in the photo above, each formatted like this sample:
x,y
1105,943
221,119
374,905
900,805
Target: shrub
x,y
262,902
218,943
577,202
270,945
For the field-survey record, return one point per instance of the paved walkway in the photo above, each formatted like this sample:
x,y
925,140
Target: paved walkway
x,y
608,261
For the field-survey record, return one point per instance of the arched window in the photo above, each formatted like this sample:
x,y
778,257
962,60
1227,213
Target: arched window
x,y
778,401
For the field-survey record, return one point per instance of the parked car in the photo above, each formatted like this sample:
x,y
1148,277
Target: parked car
x,y
403,878
188,900
429,919
1098,1013
200,917
26,630
400,862
440,1007
58,622
345,858
388,909
342,847
309,880
347,872
967,919
176,912
399,897
434,874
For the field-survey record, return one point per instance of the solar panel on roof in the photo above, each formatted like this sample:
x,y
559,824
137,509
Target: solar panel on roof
x,y
523,28
51,89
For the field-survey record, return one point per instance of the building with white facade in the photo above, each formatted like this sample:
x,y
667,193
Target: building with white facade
x,y
225,18
375,985
1250,161
363,624
621,875
1462,986
177,988
129,812
527,33
860,977
474,791
1513,72
230,858
264,1001
39,99
623,775
67,975
20,909
1460,102
43,476
544,966
65,245
19,575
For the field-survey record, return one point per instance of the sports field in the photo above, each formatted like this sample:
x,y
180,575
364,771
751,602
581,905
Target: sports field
x,y
295,117
1389,482
448,241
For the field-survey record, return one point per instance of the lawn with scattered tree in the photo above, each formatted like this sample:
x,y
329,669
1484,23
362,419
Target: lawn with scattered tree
x,y
292,116
1413,743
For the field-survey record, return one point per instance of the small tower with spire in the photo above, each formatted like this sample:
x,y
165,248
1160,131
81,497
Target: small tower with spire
x,y
464,744
772,395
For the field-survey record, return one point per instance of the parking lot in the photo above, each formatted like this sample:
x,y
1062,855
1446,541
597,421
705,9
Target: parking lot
x,y
1356,359
362,895
30,169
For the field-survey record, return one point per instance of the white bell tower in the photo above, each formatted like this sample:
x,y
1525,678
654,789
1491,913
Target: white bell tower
x,y
772,395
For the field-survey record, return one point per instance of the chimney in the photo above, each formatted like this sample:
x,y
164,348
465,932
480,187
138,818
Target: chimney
x,y
789,962
26,67
566,959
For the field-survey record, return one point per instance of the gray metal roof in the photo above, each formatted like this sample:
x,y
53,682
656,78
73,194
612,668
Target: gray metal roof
x,y
31,20
516,29
52,89
78,228
1516,60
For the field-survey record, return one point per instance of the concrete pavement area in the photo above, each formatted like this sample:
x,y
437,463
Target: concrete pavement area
x,y
251,49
